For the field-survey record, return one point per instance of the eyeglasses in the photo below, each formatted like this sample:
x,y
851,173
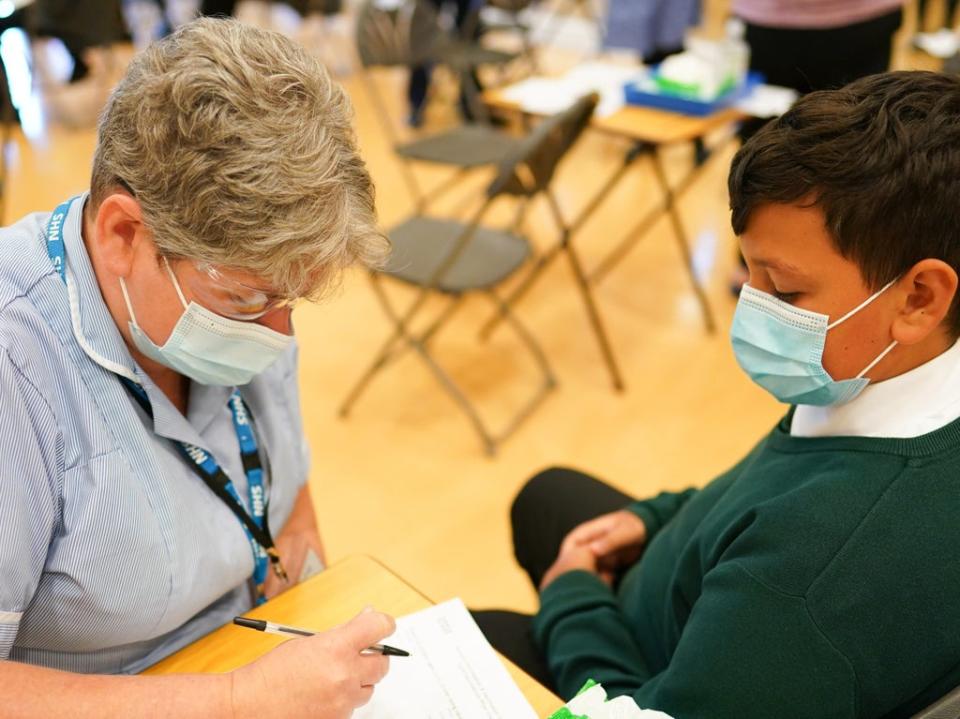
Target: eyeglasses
x,y
231,298
225,295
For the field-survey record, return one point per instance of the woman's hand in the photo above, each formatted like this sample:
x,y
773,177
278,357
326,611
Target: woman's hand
x,y
299,535
324,676
604,546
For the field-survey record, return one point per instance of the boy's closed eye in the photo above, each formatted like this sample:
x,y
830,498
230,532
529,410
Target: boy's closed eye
x,y
788,297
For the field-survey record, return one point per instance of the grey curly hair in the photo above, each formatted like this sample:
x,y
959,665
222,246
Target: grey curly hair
x,y
240,150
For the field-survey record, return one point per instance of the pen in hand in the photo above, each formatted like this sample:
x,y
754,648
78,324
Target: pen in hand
x,y
261,625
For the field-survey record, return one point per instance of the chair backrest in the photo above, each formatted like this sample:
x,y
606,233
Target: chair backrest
x,y
392,33
946,708
529,169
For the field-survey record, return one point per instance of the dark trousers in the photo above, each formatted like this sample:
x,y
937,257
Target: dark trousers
x,y
218,7
548,507
820,59
420,76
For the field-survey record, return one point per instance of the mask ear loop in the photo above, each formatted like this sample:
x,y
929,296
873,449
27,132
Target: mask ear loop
x,y
877,360
863,304
176,285
126,298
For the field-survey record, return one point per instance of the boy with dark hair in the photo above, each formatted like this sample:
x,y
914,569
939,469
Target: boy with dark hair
x,y
819,577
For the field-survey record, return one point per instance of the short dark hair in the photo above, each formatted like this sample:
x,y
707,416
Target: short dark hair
x,y
880,157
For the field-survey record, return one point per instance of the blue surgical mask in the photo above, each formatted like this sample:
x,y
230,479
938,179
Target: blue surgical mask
x,y
781,348
208,348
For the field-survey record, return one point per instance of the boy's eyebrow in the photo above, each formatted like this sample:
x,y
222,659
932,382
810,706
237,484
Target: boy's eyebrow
x,y
772,264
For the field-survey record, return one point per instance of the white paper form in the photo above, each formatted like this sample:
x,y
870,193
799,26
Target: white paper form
x,y
546,96
452,673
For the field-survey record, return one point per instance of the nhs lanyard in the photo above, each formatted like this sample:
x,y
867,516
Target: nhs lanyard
x,y
255,523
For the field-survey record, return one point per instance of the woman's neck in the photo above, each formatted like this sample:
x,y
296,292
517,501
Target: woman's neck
x,y
174,385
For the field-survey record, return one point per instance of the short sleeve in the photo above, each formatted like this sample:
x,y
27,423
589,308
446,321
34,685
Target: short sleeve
x,y
31,471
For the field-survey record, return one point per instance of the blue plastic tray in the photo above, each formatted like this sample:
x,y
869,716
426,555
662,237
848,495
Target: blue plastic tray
x,y
686,106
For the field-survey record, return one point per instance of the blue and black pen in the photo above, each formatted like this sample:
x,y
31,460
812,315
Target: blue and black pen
x,y
262,625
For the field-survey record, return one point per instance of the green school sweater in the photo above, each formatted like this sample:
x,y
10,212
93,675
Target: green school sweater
x,y
819,578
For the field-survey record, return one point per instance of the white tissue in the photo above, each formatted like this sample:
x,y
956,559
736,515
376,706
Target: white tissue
x,y
593,703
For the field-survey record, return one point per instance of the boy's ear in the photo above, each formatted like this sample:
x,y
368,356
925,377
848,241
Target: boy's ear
x,y
119,228
929,289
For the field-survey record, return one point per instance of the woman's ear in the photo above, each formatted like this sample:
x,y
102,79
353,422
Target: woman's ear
x,y
929,288
119,231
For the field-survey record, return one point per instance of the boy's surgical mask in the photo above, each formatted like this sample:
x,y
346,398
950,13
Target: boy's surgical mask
x,y
781,347
208,348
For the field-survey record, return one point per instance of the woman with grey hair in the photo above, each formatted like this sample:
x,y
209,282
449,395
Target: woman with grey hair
x,y
152,459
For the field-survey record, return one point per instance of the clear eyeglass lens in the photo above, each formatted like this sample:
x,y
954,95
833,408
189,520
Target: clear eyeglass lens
x,y
234,299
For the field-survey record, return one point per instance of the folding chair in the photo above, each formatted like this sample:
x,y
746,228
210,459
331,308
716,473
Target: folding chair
x,y
505,16
947,708
455,259
406,34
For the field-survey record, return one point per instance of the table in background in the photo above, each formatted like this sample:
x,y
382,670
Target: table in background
x,y
330,598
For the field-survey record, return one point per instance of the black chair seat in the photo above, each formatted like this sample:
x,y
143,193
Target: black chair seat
x,y
465,146
422,244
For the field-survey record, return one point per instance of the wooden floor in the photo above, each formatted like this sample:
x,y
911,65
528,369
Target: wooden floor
x,y
404,479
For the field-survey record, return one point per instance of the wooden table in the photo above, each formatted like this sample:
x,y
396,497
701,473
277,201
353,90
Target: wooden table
x,y
640,124
646,130
326,600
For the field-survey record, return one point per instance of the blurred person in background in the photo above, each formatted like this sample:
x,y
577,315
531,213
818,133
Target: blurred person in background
x,y
466,22
71,21
153,464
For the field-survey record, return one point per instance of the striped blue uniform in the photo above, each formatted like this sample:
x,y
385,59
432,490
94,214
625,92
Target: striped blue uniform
x,y
113,553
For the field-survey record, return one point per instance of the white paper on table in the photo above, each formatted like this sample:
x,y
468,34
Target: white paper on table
x,y
768,101
452,672
546,96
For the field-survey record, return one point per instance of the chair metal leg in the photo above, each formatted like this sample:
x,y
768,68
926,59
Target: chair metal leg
x,y
456,301
489,443
388,351
626,245
631,156
526,337
489,439
540,264
425,337
682,240
633,237
596,322
420,344
383,357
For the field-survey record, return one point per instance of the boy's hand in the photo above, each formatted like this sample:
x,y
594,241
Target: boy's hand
x,y
574,557
616,539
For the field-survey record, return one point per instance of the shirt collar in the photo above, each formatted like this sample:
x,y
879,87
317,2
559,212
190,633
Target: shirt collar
x,y
93,326
97,334
912,404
